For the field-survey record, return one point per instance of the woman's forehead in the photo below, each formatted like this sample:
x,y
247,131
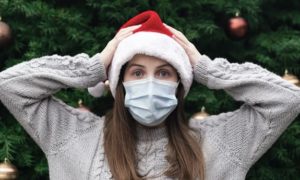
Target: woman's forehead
x,y
146,60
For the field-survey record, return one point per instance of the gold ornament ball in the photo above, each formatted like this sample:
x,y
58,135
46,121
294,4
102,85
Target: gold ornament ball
x,y
8,171
291,78
5,34
106,84
200,115
82,107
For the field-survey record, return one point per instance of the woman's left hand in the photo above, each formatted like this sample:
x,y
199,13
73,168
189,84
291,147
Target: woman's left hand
x,y
189,47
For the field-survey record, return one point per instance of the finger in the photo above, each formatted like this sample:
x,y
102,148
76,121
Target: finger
x,y
182,37
179,39
118,37
180,42
130,28
123,36
127,30
171,29
177,33
186,46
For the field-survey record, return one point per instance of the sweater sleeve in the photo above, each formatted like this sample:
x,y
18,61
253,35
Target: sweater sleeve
x,y
27,89
270,104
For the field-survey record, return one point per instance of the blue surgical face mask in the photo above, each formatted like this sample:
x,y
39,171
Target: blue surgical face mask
x,y
150,101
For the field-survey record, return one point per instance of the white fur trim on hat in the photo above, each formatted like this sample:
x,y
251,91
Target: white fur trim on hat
x,y
98,90
153,44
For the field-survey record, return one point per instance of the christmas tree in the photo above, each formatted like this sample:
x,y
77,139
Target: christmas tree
x,y
69,27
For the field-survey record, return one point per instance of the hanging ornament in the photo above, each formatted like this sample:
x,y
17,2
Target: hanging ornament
x,y
81,107
237,27
7,170
106,84
5,34
291,78
200,115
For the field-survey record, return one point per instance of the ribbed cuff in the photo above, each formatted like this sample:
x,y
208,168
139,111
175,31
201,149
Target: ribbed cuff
x,y
97,69
201,69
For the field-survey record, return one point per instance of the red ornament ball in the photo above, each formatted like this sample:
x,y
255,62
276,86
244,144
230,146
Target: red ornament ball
x,y
5,34
237,27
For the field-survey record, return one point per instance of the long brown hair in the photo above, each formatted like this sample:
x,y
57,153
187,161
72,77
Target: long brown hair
x,y
184,150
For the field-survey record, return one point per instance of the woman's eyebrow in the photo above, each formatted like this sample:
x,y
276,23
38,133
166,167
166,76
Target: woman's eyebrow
x,y
163,65
133,64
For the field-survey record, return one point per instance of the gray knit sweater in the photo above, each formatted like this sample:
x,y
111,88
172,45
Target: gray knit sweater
x,y
73,140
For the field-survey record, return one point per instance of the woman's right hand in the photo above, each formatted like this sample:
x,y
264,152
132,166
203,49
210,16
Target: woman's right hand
x,y
109,50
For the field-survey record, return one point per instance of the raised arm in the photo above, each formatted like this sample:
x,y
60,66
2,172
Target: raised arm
x,y
270,105
26,90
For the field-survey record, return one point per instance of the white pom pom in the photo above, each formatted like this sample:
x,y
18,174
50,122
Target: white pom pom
x,y
98,90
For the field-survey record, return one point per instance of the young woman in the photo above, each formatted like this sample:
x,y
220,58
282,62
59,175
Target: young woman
x,y
151,67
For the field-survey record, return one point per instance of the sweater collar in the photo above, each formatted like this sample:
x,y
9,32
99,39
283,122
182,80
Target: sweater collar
x,y
151,134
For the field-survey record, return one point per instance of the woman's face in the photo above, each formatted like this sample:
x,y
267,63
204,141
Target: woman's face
x,y
143,66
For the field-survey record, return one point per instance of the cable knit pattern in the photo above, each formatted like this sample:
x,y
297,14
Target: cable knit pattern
x,y
73,140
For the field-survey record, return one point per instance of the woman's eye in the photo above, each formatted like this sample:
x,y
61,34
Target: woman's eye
x,y
138,73
163,74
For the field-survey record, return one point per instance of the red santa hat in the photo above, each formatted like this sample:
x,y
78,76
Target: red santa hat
x,y
152,39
